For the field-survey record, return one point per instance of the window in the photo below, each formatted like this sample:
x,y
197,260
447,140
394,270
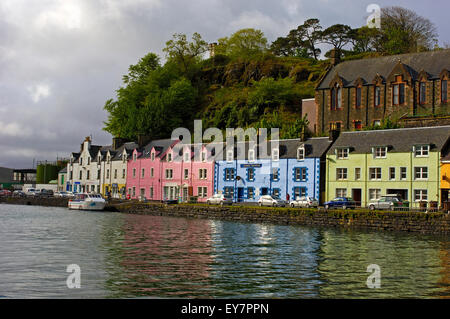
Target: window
x,y
230,156
276,192
376,123
377,96
186,157
169,157
357,173
421,172
229,174
420,195
108,158
134,172
134,157
342,153
153,156
88,174
98,174
300,174
251,155
444,95
422,92
421,150
203,156
341,192
169,173
301,153
336,97
124,158
134,191
202,173
358,125
398,97
250,193
335,126
89,161
375,173
251,174
115,173
142,192
152,172
151,192
228,192
186,173
107,173
275,154
341,173
275,176
124,173
358,97
374,194
391,173
202,192
380,152
403,173
143,173
299,192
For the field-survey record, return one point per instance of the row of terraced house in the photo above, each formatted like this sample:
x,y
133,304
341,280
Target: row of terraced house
x,y
363,164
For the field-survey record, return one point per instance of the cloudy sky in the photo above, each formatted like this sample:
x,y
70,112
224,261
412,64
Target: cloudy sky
x,y
60,60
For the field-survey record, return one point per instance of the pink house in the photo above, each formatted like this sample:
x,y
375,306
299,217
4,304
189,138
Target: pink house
x,y
172,171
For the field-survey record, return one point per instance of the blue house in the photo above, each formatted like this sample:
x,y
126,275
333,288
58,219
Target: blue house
x,y
289,169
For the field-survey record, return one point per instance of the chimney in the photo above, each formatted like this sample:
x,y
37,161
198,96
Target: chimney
x,y
143,140
333,135
212,48
86,144
335,57
118,142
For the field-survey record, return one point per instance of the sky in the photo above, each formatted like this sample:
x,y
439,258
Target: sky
x,y
61,60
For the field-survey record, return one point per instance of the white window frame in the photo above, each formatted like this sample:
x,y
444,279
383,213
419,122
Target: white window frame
x,y
186,176
421,150
357,173
230,155
187,157
342,153
341,173
376,173
301,153
422,170
341,192
392,173
420,195
275,155
374,193
378,152
403,170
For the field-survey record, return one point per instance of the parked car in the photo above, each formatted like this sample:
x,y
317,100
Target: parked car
x,y
45,193
220,199
18,194
341,202
61,194
5,192
271,200
30,192
390,202
304,201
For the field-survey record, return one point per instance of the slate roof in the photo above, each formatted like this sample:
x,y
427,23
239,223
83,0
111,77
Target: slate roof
x,y
315,148
129,147
160,146
63,171
398,140
433,62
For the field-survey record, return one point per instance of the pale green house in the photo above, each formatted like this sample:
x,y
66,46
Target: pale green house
x,y
365,165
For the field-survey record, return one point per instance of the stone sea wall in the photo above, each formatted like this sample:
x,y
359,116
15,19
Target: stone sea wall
x,y
424,223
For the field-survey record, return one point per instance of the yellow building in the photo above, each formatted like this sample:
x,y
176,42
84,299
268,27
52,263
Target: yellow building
x,y
445,180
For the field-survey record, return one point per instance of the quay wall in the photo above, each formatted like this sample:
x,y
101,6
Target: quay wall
x,y
416,222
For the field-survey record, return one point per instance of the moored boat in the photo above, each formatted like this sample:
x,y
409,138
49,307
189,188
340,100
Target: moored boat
x,y
87,202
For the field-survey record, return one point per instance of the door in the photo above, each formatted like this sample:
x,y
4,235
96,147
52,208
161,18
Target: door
x,y
356,195
264,191
185,194
240,194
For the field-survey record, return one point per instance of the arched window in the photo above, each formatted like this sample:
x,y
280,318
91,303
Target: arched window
x,y
336,97
444,94
422,92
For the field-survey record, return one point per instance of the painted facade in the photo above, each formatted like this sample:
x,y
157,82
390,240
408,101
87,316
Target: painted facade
x,y
290,170
445,177
367,165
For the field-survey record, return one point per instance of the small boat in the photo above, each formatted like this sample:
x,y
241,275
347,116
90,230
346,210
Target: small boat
x,y
87,202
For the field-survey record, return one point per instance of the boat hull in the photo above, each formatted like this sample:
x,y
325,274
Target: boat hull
x,y
83,205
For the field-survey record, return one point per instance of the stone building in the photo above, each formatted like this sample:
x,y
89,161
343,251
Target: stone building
x,y
409,88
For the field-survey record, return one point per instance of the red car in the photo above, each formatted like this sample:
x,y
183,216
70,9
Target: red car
x,y
5,192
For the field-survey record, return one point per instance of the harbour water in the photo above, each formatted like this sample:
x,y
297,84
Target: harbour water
x,y
133,256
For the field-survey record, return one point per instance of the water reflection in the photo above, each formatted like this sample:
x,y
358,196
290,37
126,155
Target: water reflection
x,y
152,256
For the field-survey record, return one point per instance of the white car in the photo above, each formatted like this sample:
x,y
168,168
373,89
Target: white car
x,y
305,202
271,200
30,192
219,199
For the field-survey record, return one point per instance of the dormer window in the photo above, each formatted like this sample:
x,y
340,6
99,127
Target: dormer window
x,y
275,154
108,158
203,156
422,92
342,153
444,95
89,161
379,152
229,155
153,156
421,150
124,158
169,157
251,155
99,159
81,161
134,157
187,157
301,153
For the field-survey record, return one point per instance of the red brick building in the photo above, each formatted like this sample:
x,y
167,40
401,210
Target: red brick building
x,y
410,88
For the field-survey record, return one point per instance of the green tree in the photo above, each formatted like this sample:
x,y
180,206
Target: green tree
x,y
365,39
184,53
338,35
245,43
